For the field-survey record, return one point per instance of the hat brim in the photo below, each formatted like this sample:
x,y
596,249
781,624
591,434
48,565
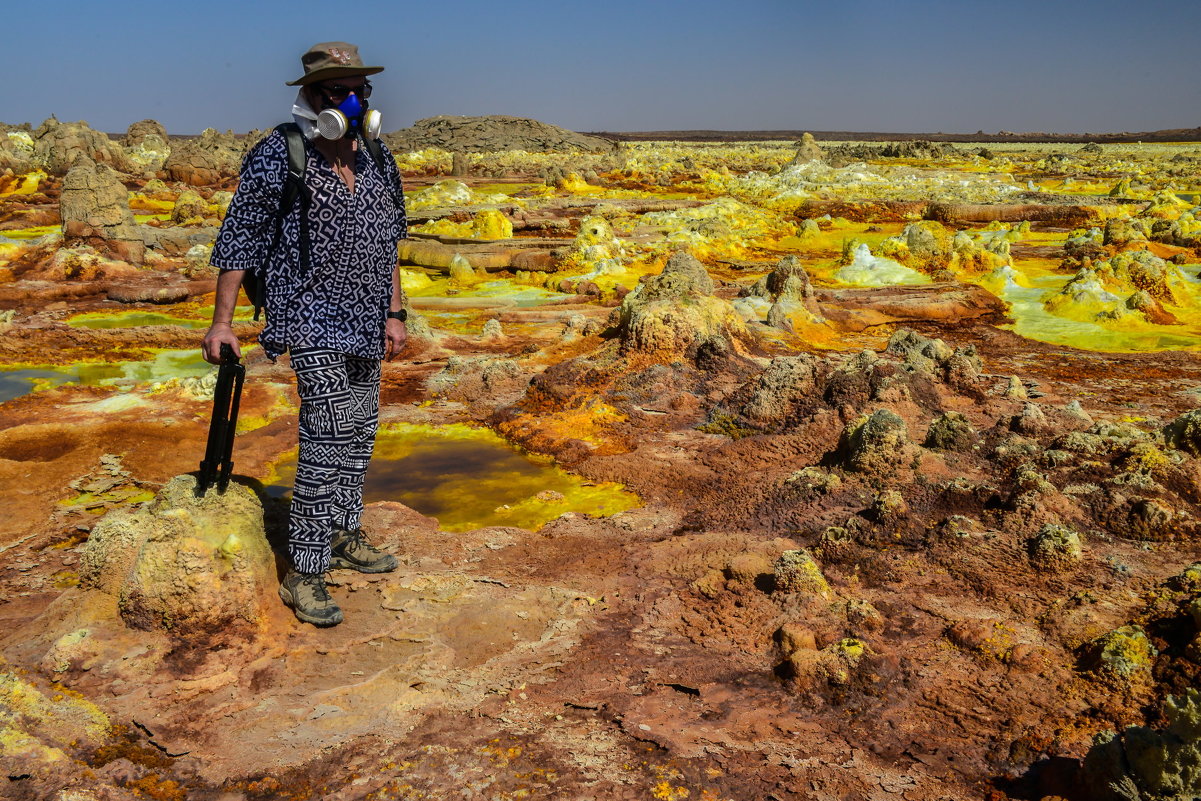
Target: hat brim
x,y
325,73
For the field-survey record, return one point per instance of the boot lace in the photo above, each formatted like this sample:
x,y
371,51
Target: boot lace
x,y
316,583
356,543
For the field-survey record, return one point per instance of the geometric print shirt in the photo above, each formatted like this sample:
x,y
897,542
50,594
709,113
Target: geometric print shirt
x,y
340,304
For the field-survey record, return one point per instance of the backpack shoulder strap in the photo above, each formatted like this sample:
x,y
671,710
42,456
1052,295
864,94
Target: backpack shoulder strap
x,y
377,155
294,188
377,152
294,183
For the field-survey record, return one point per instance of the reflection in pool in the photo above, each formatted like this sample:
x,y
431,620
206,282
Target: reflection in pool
x,y
470,477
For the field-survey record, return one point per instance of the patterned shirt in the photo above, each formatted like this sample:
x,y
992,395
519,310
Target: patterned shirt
x,y
340,304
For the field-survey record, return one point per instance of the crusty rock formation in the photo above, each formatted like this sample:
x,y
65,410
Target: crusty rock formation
x,y
796,571
139,131
878,445
205,160
188,206
1184,433
57,145
784,392
185,565
146,145
16,150
1145,764
493,133
863,151
807,150
1055,548
95,209
675,312
951,431
787,281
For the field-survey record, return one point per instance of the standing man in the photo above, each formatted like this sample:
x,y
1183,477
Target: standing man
x,y
334,302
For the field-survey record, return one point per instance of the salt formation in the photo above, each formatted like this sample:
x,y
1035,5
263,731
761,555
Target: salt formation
x,y
16,151
447,192
95,210
596,250
491,224
675,312
146,145
1133,283
868,270
717,228
807,150
57,145
205,160
791,187
786,297
192,567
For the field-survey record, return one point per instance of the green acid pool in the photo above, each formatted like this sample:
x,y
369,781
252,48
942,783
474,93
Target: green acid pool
x,y
132,319
18,380
470,478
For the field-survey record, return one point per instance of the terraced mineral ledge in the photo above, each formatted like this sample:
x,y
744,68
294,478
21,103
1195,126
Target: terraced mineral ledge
x,y
738,470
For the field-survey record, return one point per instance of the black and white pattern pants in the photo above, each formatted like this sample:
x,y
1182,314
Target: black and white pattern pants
x,y
339,414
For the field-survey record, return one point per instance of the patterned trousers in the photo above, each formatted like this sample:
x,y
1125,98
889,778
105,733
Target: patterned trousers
x,y
339,414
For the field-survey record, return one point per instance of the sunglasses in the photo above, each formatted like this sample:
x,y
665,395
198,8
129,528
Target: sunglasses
x,y
339,91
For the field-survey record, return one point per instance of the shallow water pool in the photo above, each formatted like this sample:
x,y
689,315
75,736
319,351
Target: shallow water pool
x,y
469,478
132,319
1032,320
22,379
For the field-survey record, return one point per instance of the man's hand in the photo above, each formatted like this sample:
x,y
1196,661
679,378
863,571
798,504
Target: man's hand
x,y
219,334
396,334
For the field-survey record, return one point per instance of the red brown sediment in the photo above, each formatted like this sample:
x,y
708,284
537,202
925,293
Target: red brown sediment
x,y
679,649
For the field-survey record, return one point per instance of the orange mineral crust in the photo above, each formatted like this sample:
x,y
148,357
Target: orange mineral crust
x,y
724,470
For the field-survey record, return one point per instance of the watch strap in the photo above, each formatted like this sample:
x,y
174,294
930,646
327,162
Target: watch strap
x,y
401,315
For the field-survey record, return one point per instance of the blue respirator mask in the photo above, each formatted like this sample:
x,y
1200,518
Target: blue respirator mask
x,y
348,119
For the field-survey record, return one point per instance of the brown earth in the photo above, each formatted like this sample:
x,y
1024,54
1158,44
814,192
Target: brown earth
x,y
665,652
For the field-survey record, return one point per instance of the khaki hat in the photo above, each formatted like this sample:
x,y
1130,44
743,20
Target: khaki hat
x,y
332,60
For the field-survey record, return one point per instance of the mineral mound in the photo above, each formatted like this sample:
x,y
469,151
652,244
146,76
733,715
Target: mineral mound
x,y
492,133
185,565
882,480
205,160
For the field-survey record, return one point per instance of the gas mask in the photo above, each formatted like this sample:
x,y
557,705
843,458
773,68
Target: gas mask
x,y
348,119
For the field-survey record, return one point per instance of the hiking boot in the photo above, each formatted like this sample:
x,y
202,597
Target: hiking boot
x,y
350,549
305,593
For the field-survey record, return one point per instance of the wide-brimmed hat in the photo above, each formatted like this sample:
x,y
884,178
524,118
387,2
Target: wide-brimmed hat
x,y
332,60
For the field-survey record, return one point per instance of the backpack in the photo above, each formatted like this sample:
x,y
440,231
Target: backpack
x,y
254,281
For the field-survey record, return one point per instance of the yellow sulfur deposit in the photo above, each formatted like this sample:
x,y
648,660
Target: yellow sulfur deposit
x,y
15,185
491,224
40,726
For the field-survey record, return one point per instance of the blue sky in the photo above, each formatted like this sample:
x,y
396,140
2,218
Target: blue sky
x,y
933,65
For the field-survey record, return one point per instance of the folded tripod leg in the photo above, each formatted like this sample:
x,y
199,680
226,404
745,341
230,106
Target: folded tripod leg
x,y
218,453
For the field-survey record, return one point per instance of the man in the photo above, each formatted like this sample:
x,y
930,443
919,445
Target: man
x,y
334,302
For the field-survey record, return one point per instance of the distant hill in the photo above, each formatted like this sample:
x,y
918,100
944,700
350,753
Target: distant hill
x,y
1168,135
493,133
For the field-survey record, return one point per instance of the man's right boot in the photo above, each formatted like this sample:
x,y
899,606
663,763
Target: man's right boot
x,y
305,593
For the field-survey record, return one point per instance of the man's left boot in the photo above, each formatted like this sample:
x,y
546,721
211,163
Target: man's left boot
x,y
351,550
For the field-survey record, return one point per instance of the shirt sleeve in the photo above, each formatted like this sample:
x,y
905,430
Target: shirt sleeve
x,y
249,225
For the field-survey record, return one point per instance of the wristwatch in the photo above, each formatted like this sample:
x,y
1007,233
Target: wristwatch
x,y
401,315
